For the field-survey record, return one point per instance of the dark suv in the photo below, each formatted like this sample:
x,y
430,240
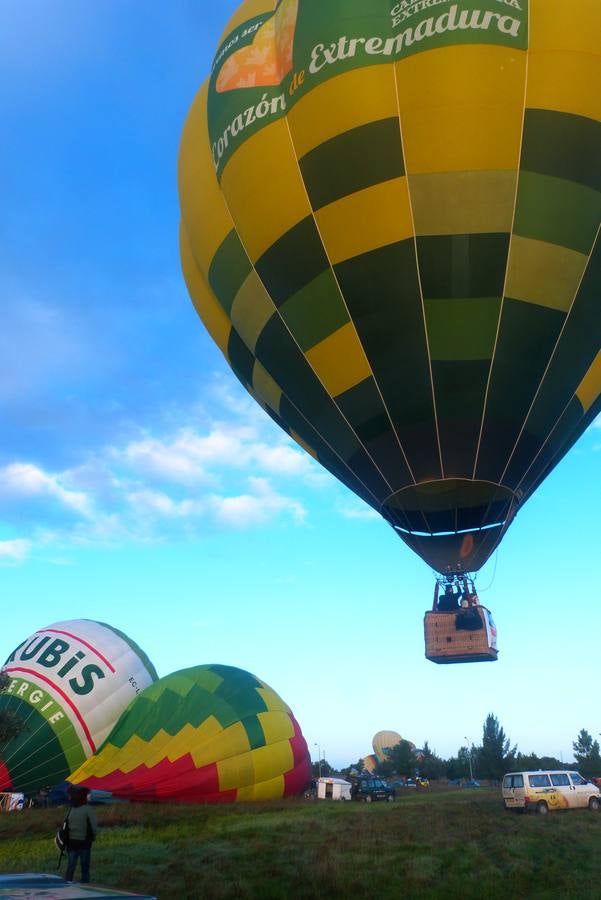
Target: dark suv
x,y
369,789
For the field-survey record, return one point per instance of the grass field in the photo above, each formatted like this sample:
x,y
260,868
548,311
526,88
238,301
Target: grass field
x,y
435,844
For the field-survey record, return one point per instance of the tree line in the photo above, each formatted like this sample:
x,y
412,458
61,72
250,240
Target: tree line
x,y
490,759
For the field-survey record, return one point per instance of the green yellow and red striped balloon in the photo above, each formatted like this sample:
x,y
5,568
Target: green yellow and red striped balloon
x,y
207,734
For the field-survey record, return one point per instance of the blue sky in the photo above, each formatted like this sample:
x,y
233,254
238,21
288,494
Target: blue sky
x,y
139,485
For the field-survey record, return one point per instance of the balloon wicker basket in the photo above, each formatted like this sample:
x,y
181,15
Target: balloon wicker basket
x,y
445,643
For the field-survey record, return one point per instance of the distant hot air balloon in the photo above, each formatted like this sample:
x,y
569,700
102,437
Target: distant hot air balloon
x,y
208,734
370,762
384,741
389,225
69,683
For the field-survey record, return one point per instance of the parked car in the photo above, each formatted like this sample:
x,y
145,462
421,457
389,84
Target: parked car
x,y
472,784
543,791
369,789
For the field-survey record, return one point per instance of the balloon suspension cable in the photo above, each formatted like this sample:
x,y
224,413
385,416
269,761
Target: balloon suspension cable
x,y
494,574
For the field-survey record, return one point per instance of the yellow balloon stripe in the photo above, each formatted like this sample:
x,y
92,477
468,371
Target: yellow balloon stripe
x,y
366,220
479,127
203,208
590,386
564,82
272,701
575,25
231,741
236,772
303,444
276,725
339,361
274,758
342,103
251,310
264,790
264,189
542,273
207,306
266,388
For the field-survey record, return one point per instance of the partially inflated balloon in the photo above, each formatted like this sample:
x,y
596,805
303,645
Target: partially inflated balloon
x,y
390,216
370,762
208,734
383,742
69,683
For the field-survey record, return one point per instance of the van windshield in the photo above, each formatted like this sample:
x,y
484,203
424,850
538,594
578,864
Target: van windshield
x,y
577,778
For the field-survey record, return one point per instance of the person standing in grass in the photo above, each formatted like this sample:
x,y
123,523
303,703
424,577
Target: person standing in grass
x,y
82,833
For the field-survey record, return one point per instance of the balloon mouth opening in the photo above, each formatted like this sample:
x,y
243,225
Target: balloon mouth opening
x,y
454,525
450,506
446,533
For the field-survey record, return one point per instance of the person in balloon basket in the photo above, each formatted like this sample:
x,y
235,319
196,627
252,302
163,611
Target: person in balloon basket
x,y
449,602
82,834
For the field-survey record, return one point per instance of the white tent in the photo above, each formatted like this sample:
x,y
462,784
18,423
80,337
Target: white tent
x,y
333,789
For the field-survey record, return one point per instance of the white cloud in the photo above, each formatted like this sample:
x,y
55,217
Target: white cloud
x,y
15,551
188,458
358,512
171,461
158,504
257,507
28,480
180,484
282,459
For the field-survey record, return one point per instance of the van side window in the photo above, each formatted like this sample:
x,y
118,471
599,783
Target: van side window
x,y
560,780
577,779
539,781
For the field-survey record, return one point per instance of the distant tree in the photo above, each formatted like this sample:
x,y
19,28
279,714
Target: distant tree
x,y
353,768
385,769
10,724
530,762
495,756
586,754
323,771
458,766
431,766
403,759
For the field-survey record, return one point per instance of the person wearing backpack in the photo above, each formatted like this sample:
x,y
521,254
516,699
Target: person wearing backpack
x,y
82,833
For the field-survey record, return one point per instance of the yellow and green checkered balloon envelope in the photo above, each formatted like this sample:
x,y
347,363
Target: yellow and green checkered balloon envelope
x,y
390,216
209,734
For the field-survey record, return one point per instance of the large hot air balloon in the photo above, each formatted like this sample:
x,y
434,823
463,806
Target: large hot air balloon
x,y
389,225
208,734
69,683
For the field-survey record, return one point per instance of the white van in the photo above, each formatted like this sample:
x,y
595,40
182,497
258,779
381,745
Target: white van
x,y
543,791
